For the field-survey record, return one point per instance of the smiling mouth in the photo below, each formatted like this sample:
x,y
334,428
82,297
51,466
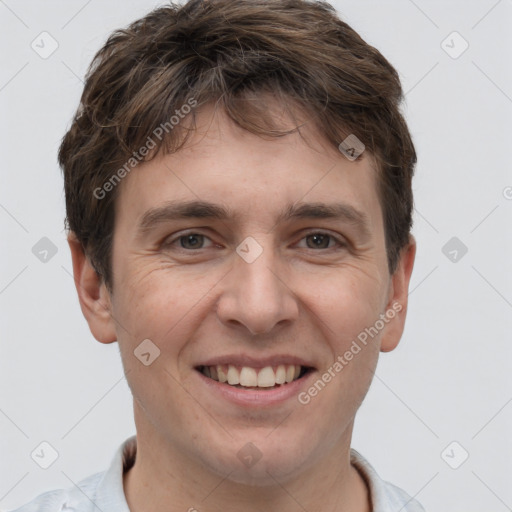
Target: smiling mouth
x,y
245,377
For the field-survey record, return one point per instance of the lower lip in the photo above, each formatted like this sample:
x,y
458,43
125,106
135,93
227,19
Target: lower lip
x,y
255,397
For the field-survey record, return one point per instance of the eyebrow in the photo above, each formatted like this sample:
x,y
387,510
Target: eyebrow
x,y
179,210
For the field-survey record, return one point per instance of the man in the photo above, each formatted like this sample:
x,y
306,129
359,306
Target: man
x,y
238,193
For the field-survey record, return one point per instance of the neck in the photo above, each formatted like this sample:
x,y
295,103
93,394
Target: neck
x,y
163,479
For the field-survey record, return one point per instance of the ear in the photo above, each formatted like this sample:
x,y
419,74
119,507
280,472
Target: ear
x,y
92,293
398,297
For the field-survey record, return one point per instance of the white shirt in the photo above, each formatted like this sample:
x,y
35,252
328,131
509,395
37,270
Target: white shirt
x,y
104,491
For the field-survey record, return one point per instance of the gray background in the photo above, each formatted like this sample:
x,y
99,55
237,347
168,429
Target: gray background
x,y
449,380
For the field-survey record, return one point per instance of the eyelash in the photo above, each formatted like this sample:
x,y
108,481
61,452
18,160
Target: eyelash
x,y
168,244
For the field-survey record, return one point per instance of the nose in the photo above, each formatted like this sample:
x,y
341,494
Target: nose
x,y
256,297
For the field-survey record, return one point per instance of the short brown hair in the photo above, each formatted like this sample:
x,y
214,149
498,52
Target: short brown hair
x,y
228,51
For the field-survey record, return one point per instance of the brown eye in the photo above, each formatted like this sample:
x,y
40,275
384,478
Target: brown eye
x,y
186,242
318,241
192,241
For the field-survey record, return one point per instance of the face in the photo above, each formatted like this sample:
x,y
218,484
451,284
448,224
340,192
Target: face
x,y
253,261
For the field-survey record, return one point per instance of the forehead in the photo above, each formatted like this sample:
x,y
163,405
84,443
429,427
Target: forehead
x,y
246,174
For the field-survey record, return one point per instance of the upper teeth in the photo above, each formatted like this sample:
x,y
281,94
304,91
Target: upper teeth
x,y
252,377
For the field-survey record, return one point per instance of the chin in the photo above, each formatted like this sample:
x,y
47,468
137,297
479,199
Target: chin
x,y
265,458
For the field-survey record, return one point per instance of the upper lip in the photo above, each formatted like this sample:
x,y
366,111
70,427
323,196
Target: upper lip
x,y
255,362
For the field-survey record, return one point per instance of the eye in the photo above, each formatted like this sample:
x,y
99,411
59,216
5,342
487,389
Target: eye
x,y
189,241
192,241
320,240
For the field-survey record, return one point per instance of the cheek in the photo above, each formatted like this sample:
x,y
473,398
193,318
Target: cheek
x,y
157,299
347,300
163,306
167,306
348,304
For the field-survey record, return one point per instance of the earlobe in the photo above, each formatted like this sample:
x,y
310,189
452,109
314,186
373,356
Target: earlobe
x,y
397,304
93,295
